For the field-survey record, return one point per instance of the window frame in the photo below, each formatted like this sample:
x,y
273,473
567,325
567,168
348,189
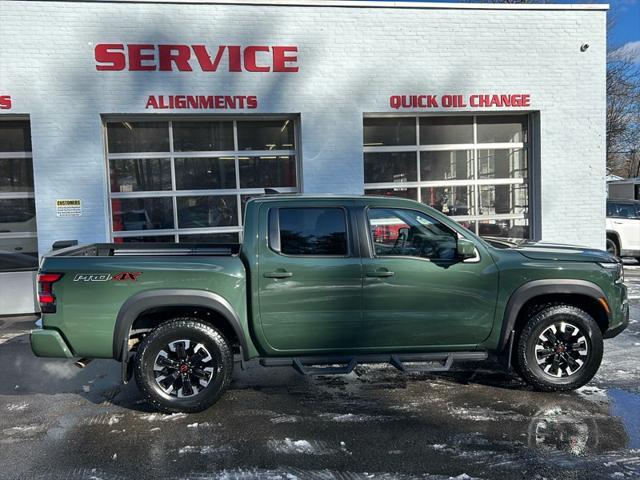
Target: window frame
x,y
238,192
23,195
475,182
273,231
372,248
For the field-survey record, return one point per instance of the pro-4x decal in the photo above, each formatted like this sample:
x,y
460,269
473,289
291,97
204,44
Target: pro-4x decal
x,y
105,277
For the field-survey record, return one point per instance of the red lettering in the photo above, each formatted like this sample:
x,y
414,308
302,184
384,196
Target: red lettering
x,y
235,58
205,60
151,102
250,61
219,101
5,102
178,54
252,102
136,57
192,102
205,101
180,101
281,58
110,56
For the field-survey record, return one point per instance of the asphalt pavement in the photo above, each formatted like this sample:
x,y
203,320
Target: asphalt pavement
x,y
57,421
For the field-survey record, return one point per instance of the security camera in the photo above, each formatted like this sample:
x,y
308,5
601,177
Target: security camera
x,y
584,47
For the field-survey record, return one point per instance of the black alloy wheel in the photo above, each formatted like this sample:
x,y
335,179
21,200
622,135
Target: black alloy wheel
x,y
184,365
558,348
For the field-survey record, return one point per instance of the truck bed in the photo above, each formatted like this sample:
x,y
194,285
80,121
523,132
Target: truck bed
x,y
148,249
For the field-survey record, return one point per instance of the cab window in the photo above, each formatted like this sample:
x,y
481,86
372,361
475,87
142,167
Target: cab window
x,y
312,231
400,232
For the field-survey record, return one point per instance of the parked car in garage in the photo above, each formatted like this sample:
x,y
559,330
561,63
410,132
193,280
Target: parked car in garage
x,y
623,228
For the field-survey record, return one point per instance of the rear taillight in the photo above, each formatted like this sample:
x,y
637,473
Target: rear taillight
x,y
46,298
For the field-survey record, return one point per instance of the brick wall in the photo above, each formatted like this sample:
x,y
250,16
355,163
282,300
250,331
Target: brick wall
x,y
351,60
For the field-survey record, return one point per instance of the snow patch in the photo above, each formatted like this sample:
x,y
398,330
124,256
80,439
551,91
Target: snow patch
x,y
306,447
204,449
17,407
479,414
113,419
285,419
350,417
154,417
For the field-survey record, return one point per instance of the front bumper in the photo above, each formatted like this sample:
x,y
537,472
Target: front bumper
x,y
614,331
49,343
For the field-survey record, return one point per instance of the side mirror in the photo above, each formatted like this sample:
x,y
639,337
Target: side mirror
x,y
465,249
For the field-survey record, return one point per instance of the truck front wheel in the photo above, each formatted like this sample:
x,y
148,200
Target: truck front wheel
x,y
559,348
184,365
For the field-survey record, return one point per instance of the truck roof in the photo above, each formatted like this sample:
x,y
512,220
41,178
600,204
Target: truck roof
x,y
322,196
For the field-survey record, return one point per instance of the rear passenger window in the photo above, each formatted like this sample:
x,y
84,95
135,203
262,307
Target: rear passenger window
x,y
313,231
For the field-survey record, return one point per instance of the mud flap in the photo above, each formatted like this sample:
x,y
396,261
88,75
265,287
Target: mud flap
x,y
505,357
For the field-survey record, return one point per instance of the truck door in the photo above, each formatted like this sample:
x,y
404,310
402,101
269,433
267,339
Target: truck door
x,y
310,278
417,293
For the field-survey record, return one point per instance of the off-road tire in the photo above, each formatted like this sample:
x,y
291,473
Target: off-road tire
x,y
541,318
171,331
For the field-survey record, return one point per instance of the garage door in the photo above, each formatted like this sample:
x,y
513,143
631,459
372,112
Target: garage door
x,y
186,180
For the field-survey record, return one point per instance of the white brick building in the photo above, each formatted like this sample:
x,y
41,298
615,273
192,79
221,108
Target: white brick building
x,y
162,117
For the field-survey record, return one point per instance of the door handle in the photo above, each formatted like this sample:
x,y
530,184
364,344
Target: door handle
x,y
380,273
278,274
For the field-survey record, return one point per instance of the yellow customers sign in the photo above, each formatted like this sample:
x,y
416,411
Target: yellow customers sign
x,y
68,208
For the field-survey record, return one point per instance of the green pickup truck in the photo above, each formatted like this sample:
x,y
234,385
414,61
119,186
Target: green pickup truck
x,y
322,283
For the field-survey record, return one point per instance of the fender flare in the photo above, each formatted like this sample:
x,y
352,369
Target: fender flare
x,y
535,288
165,297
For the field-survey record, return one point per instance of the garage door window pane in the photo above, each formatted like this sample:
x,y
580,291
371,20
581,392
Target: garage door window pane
x,y
16,175
146,238
18,254
269,135
140,174
390,167
503,163
210,238
509,228
389,131
207,211
503,199
446,130
410,193
205,173
502,128
17,215
142,213
127,137
15,136
449,165
449,200
267,171
202,136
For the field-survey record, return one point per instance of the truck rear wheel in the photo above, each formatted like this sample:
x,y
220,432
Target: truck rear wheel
x,y
559,348
184,365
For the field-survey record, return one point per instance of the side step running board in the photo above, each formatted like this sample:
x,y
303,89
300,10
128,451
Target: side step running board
x,y
343,364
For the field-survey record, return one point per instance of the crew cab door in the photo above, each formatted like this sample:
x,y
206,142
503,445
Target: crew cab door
x,y
310,278
417,292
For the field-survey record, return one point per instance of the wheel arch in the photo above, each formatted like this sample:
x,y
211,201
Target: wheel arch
x,y
581,293
157,300
615,236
